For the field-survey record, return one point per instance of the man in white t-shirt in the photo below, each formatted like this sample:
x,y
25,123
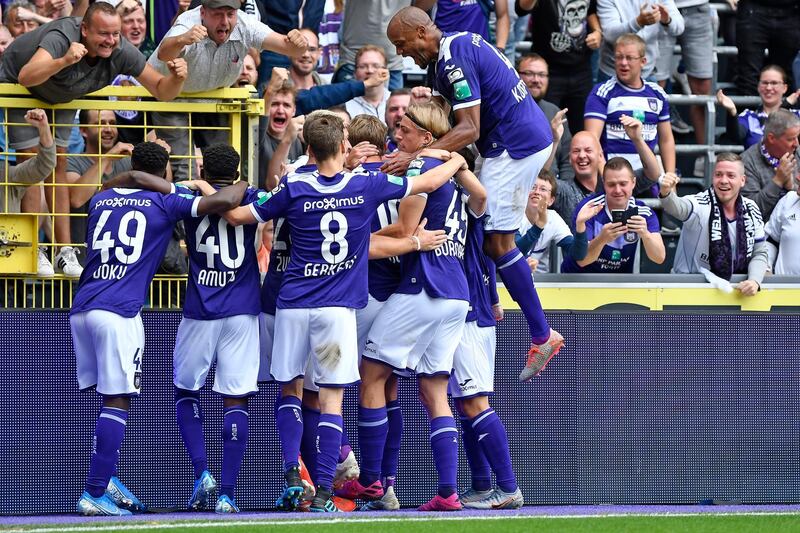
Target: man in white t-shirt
x,y
213,39
723,233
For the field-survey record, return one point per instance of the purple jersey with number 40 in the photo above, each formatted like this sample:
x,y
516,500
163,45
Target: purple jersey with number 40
x,y
223,271
329,221
127,235
469,72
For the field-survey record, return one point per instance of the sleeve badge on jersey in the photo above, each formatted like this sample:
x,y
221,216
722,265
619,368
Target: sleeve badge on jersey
x,y
455,75
189,196
263,197
395,179
416,163
461,90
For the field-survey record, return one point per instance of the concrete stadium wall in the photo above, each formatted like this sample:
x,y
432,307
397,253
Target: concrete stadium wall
x,y
637,408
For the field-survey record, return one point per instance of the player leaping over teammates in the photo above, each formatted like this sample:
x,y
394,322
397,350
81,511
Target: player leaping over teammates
x,y
329,213
494,110
127,234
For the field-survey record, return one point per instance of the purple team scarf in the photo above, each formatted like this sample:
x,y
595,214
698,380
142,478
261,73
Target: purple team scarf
x,y
719,246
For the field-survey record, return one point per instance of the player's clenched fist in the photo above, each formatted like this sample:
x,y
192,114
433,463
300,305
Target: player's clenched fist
x,y
297,39
75,53
178,68
420,94
195,34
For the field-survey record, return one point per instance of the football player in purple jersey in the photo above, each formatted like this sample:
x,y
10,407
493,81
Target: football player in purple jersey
x,y
329,213
493,109
127,235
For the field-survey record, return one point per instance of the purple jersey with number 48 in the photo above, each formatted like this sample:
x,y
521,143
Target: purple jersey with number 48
x,y
126,237
440,272
469,72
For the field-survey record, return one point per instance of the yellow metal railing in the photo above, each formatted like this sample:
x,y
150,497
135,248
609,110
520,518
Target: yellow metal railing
x,y
26,292
239,104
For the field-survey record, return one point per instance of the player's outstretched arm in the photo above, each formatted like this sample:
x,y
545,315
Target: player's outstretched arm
x,y
438,176
224,199
136,179
239,216
381,246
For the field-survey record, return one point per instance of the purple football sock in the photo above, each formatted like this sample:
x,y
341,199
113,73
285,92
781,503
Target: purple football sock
x,y
391,451
480,472
190,423
516,276
308,444
108,434
346,448
289,420
235,425
444,443
329,440
491,435
373,425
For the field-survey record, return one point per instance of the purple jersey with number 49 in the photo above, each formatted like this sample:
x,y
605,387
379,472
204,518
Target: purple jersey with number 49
x,y
329,219
126,237
469,72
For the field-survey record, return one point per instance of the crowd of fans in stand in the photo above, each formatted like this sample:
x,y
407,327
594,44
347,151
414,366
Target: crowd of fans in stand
x,y
604,65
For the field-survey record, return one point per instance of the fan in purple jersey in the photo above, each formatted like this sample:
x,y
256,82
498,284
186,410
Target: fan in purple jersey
x,y
329,212
127,235
626,93
615,232
493,109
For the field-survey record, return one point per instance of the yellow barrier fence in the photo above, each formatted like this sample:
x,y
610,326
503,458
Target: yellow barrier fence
x,y
18,243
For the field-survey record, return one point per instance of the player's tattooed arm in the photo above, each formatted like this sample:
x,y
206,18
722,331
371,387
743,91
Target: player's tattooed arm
x,y
136,179
224,199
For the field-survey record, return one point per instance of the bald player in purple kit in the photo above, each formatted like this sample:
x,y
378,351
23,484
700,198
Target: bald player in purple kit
x,y
493,109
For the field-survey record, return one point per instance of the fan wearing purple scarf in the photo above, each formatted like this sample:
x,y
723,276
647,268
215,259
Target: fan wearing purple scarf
x,y
723,232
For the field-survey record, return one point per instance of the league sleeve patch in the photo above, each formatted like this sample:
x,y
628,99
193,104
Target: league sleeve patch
x,y
455,75
189,196
396,180
416,163
461,90
263,197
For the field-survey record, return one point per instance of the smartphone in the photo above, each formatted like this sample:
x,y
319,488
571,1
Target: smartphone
x,y
619,215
